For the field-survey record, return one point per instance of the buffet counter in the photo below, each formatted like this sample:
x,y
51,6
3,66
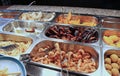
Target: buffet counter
x,y
61,41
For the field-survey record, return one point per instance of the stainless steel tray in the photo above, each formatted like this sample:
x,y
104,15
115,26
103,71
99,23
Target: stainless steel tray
x,y
23,43
110,37
27,28
92,50
107,51
77,19
57,31
10,14
37,16
110,22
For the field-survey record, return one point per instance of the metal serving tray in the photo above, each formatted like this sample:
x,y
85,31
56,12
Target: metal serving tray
x,y
65,46
24,27
77,19
112,37
37,16
106,52
110,22
23,44
9,14
57,31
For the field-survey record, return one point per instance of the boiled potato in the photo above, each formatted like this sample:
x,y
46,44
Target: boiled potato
x,y
108,66
107,60
115,65
114,58
115,72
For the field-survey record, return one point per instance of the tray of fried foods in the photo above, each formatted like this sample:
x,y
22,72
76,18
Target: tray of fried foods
x,y
110,38
111,61
27,28
65,56
10,14
41,16
14,45
77,19
110,22
78,34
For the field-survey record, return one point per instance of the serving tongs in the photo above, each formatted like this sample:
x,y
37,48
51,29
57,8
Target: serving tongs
x,y
89,33
9,47
28,6
31,3
27,58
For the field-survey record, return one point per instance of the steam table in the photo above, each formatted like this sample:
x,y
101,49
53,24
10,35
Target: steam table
x,y
37,71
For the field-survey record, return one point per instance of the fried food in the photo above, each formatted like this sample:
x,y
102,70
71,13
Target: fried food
x,y
112,64
118,61
77,60
76,19
107,60
114,58
108,66
37,16
115,72
115,65
79,34
7,16
112,38
3,72
22,47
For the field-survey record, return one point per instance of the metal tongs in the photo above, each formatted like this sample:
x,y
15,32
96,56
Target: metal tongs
x,y
9,47
31,3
